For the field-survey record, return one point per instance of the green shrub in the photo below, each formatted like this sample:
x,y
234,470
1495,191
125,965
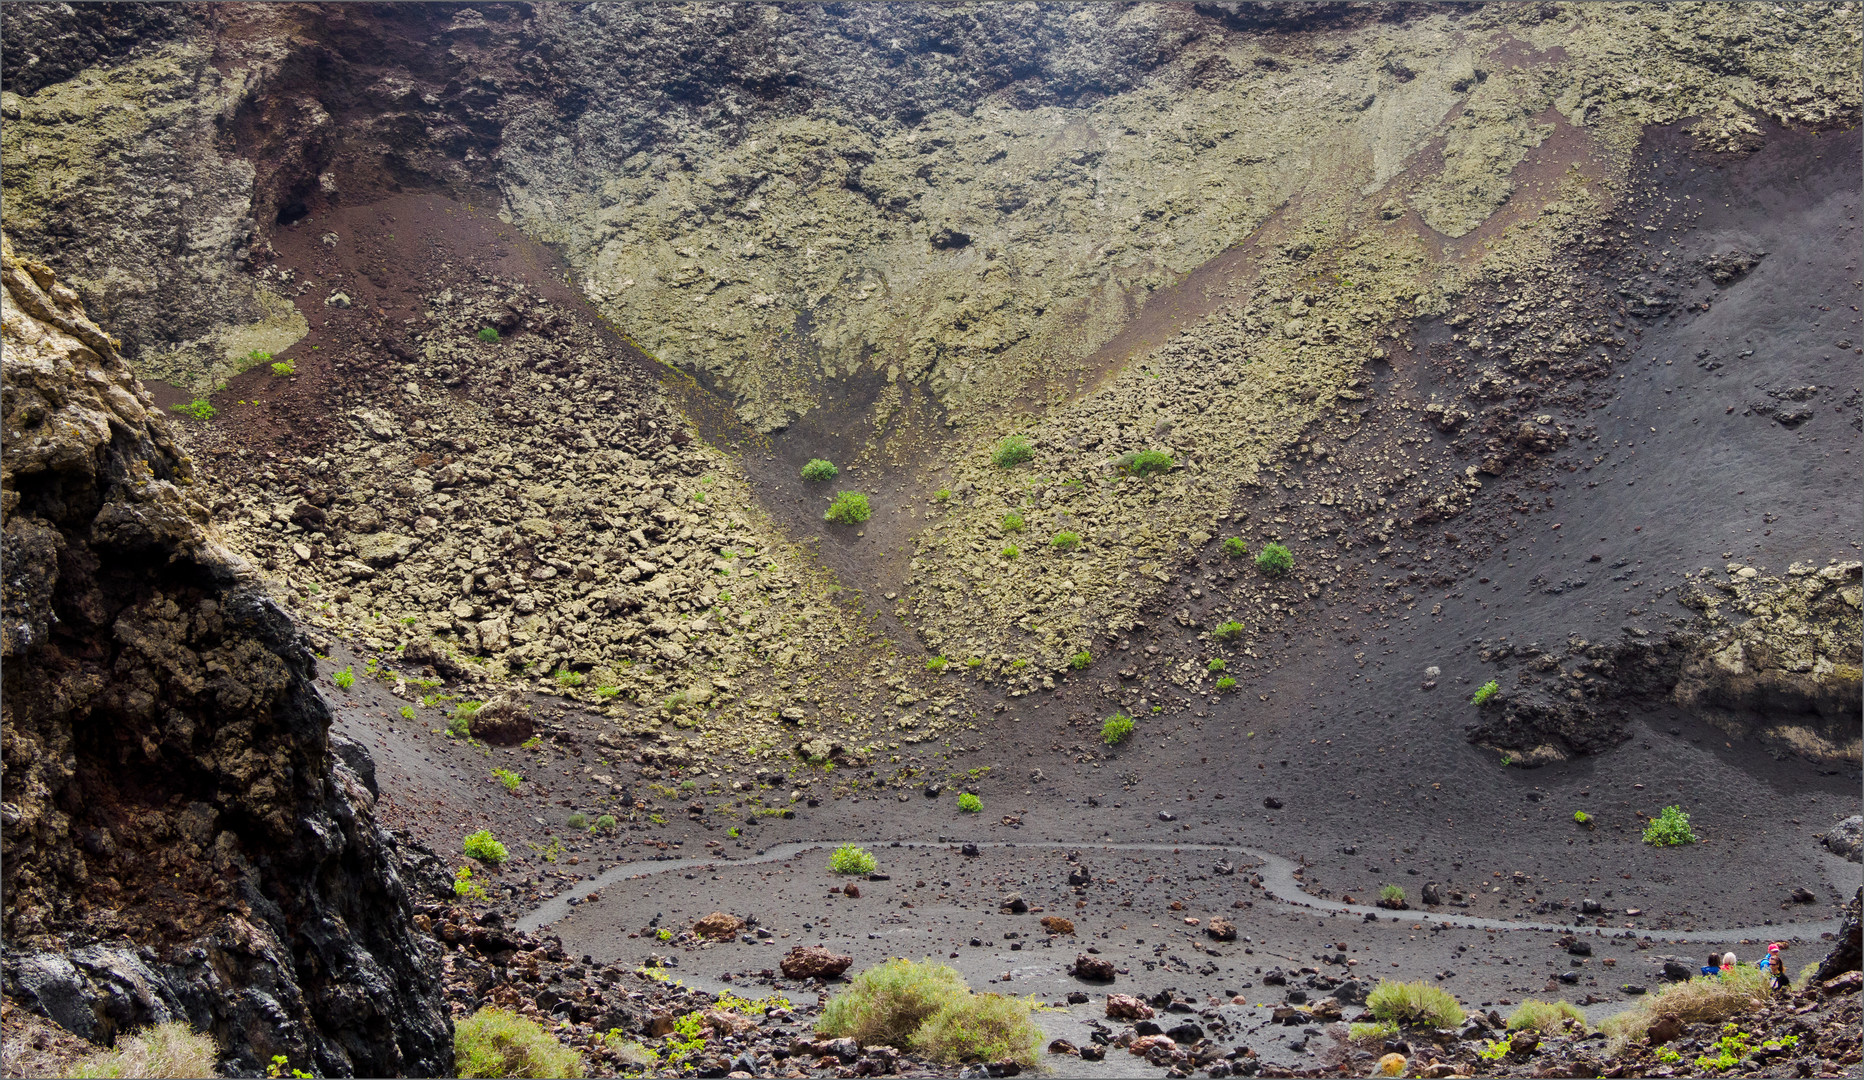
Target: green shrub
x,y
607,693
510,779
1704,999
1079,661
1275,560
980,1027
941,494
1669,828
345,678
820,469
604,824
488,334
1011,452
1392,895
970,804
849,508
577,821
1228,631
974,662
1546,1017
936,664
465,887
1485,692
460,725
1583,818
848,859
568,679
198,409
171,1049
1226,683
257,357
1065,540
1145,462
884,1005
284,368
1010,551
1235,547
1414,1004
407,712
499,1043
1216,664
1116,729
1376,1032
1012,522
482,846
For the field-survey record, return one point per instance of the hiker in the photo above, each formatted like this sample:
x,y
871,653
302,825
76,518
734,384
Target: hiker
x,y
1714,965
1775,966
1728,962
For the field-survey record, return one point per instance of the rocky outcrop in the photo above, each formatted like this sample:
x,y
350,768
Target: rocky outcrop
x,y
181,841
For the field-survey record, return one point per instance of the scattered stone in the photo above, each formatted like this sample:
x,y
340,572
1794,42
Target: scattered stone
x,y
1092,968
1221,929
719,926
1058,926
814,962
1127,1007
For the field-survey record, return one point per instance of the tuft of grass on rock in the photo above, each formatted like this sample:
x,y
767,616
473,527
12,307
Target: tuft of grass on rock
x,y
1228,631
1486,692
1145,462
1235,547
1391,896
1012,522
1546,1017
937,664
510,779
1065,540
1010,551
1116,729
849,508
820,469
198,409
970,804
489,335
1704,999
885,1004
1226,683
848,859
980,1028
1080,661
170,1049
482,846
1275,560
1414,1004
496,1042
344,679
1216,664
1011,452
283,368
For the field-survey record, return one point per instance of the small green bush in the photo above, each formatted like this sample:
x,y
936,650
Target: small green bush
x,y
510,779
1546,1017
1414,1004
936,664
607,693
849,508
465,887
1012,523
1010,551
482,846
171,1049
820,469
941,494
1011,452
1583,818
568,679
499,1043
488,335
407,712
885,1004
1486,691
577,821
1392,895
1145,462
198,409
1116,729
460,725
1079,661
1275,560
284,368
980,1027
1216,664
848,859
257,357
1226,683
1228,631
1065,540
1235,547
974,662
1669,828
1375,1033
970,804
604,824
345,678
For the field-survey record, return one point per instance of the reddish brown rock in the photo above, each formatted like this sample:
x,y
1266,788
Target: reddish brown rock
x,y
1092,968
1127,1007
1221,929
719,926
814,962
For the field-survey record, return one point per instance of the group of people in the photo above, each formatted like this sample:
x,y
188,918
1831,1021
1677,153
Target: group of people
x,y
1773,964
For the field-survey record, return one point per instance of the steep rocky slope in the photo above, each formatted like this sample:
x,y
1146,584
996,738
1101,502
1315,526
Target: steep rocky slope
x,y
184,840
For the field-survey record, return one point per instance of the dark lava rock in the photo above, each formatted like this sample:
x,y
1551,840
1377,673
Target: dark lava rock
x,y
1272,803
969,849
1185,1033
1846,839
1677,972
140,659
1848,950
1092,969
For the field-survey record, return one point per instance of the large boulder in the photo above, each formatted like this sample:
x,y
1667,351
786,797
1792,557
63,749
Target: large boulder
x,y
1846,839
182,842
814,962
1848,951
503,721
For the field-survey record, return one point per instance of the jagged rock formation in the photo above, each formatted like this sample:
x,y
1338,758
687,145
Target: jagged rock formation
x,y
182,842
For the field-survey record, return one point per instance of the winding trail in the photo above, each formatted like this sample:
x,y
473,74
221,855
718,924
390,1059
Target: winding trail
x,y
1278,886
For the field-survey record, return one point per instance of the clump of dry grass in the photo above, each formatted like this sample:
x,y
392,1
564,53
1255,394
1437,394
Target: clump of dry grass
x,y
1546,1017
171,1049
1704,999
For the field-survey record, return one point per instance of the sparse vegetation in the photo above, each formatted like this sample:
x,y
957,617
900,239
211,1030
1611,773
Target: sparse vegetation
x,y
941,494
1486,691
284,368
482,846
460,725
1065,540
510,779
1582,818
885,1004
936,664
489,335
980,1027
1275,560
465,887
171,1049
1391,896
970,804
198,409
1080,661
1375,1033
1011,452
848,859
1216,664
849,508
407,712
1670,828
607,693
820,469
577,821
603,824
1012,522
1414,1004
568,679
1546,1017
1235,547
1228,631
497,1042
1145,462
1705,999
1116,729
1226,683
1010,551
344,678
